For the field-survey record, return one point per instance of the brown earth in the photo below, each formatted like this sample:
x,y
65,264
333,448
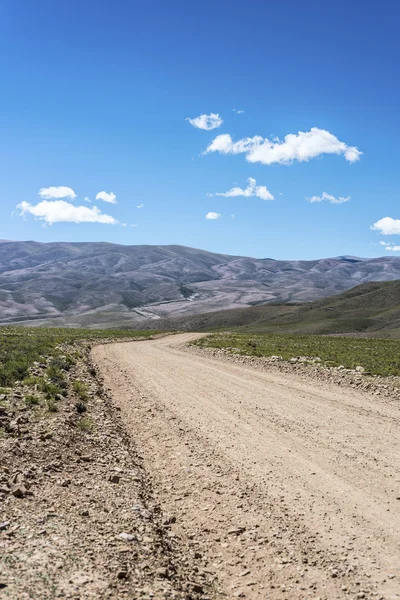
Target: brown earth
x,y
78,516
280,486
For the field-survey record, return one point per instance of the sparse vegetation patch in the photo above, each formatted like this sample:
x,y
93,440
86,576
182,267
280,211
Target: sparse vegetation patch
x,y
20,347
375,356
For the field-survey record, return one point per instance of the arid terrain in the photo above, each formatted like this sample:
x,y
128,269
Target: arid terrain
x,y
168,470
282,484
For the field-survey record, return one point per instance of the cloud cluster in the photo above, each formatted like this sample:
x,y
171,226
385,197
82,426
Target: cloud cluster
x,y
57,192
387,226
111,198
252,189
302,146
206,122
329,198
390,246
60,211
212,216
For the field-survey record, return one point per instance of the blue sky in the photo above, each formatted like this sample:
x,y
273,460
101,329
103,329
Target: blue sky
x,y
95,97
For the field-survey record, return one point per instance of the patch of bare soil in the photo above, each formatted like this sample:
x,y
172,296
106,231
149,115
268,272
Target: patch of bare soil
x,y
78,514
281,484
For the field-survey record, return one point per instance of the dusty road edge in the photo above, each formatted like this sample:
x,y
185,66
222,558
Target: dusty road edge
x,y
79,515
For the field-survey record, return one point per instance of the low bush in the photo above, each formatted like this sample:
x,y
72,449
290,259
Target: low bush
x,y
52,405
32,400
85,424
80,388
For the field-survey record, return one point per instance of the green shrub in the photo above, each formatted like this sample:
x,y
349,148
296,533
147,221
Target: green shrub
x,y
54,372
62,363
52,405
86,424
32,380
80,388
32,400
51,389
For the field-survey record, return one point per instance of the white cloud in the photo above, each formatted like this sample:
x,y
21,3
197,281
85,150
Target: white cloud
x,y
387,226
86,199
111,198
212,216
59,211
207,122
390,246
302,147
56,192
140,206
252,189
329,198
238,112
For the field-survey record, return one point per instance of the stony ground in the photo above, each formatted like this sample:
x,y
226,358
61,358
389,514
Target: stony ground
x,y
78,514
197,474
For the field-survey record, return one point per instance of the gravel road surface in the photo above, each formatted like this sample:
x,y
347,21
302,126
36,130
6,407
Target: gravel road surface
x,y
279,487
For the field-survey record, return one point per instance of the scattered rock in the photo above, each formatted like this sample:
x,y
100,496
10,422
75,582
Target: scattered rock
x,y
236,530
128,537
19,491
122,574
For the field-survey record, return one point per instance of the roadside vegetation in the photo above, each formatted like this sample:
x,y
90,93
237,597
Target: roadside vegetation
x,y
20,347
377,356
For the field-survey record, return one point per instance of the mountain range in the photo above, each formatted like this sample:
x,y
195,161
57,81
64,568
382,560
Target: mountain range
x,y
102,284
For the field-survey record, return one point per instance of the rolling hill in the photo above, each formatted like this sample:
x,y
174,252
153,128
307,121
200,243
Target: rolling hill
x,y
371,309
101,284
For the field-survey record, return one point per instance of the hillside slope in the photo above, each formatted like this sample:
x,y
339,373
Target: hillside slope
x,y
371,308
101,284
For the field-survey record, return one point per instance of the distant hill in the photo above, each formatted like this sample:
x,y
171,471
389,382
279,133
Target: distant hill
x,y
371,308
101,284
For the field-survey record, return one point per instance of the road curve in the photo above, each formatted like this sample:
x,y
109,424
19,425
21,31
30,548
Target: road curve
x,y
281,487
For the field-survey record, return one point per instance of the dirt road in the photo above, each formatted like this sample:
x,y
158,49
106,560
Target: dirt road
x,y
281,487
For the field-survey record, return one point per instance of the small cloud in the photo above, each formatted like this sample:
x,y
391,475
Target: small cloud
x,y
390,246
56,192
302,146
140,206
212,216
135,225
111,198
238,112
252,189
86,199
60,211
329,198
206,122
387,226
232,216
